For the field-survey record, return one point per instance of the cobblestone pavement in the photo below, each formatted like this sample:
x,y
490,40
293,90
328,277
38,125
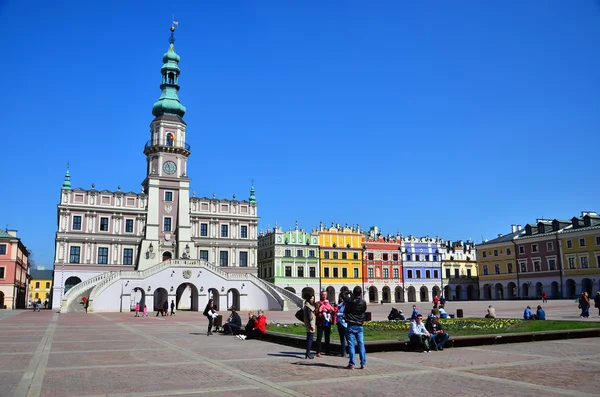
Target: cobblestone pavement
x,y
115,354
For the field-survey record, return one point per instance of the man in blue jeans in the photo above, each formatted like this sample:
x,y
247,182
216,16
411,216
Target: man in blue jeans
x,y
354,314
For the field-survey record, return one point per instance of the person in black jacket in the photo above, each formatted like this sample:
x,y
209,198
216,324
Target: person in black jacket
x,y
354,314
234,324
438,335
209,310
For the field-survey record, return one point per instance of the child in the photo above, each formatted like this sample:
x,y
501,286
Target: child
x,y
137,309
145,310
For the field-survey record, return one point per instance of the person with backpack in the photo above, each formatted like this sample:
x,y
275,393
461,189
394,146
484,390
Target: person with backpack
x,y
354,314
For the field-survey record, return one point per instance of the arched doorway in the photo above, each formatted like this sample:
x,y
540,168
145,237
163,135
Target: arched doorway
x,y
292,290
166,256
499,291
586,286
471,293
570,284
554,290
525,290
385,294
448,292
213,294
344,289
458,292
435,291
539,290
186,297
331,294
233,299
412,294
424,292
487,292
160,295
138,296
511,290
307,292
399,294
71,282
373,296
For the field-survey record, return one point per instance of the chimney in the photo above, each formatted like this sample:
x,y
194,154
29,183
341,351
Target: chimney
x,y
499,234
519,227
513,228
12,232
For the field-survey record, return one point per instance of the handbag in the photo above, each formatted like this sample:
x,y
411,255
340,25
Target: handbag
x,y
300,315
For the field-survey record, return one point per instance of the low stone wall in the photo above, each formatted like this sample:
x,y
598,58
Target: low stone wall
x,y
453,342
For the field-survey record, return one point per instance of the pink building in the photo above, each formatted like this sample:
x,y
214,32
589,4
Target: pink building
x,y
14,268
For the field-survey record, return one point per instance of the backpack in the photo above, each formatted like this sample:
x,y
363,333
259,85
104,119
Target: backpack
x,y
300,315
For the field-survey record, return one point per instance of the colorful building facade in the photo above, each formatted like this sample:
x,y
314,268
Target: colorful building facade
x,y
459,271
290,260
40,286
422,265
14,271
341,261
382,267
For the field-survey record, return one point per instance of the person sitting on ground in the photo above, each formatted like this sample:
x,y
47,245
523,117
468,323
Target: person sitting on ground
x,y
260,327
418,334
527,314
540,314
395,315
443,313
438,335
491,312
233,324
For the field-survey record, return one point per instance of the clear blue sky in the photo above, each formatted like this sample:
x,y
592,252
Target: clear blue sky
x,y
453,119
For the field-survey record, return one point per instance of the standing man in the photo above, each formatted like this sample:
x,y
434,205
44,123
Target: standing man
x,y
354,314
172,307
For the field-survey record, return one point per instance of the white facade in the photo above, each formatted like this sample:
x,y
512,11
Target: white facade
x,y
110,242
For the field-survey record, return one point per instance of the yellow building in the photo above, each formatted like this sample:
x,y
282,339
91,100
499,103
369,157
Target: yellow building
x,y
40,286
580,249
340,259
497,268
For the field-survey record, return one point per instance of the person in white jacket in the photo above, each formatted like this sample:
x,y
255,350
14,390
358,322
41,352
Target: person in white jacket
x,y
418,335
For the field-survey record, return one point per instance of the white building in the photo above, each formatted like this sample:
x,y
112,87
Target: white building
x,y
117,248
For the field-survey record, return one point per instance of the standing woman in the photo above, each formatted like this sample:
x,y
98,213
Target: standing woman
x,y
208,312
310,322
584,304
342,325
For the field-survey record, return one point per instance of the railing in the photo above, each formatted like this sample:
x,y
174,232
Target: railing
x,y
82,286
173,144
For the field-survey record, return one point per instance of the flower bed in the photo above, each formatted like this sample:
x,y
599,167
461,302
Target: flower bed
x,y
450,324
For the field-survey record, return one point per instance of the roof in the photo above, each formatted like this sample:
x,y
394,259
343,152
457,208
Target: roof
x,y
4,234
41,274
503,239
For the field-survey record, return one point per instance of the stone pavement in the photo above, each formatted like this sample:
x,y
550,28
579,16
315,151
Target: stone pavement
x,y
115,354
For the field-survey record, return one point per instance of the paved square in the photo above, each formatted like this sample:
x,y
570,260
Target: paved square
x,y
116,354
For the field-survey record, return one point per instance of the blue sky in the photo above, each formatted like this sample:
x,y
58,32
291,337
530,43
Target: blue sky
x,y
454,119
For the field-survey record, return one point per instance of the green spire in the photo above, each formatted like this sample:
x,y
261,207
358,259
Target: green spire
x,y
252,198
168,102
67,182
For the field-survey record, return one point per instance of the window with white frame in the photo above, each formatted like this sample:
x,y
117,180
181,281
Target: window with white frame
x,y
495,252
534,248
597,240
552,264
104,224
243,258
370,272
497,269
523,266
204,229
224,230
571,261
582,242
74,255
128,225
597,260
485,270
569,244
550,246
128,256
396,273
167,224
584,262
537,266
521,249
355,272
244,231
509,267
224,258
386,273
168,196
102,255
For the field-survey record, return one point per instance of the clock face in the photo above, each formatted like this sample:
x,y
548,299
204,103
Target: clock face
x,y
169,167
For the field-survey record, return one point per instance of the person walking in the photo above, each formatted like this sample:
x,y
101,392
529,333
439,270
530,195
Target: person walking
x,y
597,302
584,305
172,307
209,310
544,297
146,310
354,314
310,323
137,309
166,308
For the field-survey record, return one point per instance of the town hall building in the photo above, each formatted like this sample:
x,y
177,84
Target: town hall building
x,y
115,248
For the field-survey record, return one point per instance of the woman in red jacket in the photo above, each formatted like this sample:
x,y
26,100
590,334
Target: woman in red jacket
x,y
260,326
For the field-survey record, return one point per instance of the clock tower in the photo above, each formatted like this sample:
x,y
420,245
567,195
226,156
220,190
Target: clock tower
x,y
167,233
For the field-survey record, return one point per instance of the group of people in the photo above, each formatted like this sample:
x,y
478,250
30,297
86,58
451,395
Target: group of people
x,y
430,335
348,315
254,328
540,314
585,304
37,305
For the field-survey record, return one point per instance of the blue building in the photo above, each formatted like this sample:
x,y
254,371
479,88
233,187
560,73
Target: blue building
x,y
422,268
